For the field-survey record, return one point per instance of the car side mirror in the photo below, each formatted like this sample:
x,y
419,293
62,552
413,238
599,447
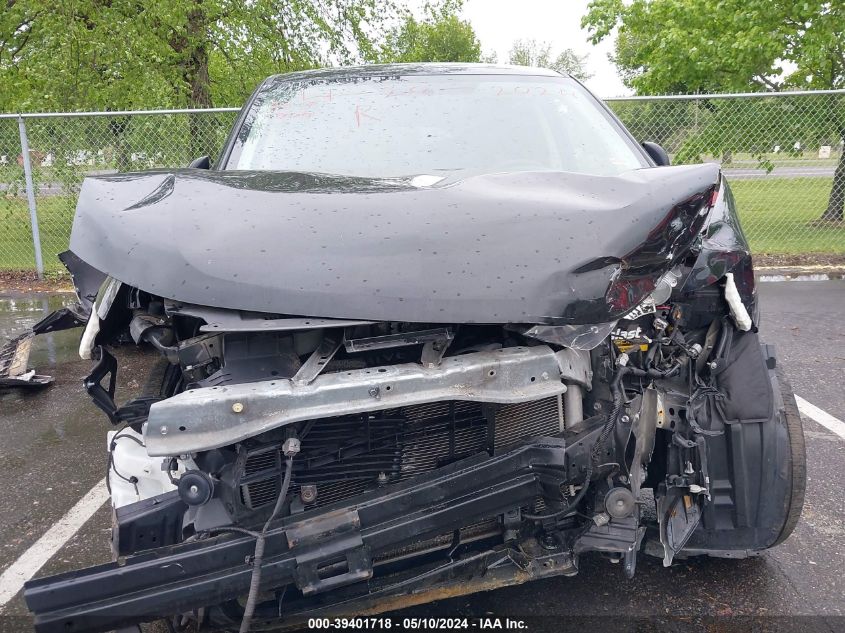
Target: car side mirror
x,y
657,153
203,162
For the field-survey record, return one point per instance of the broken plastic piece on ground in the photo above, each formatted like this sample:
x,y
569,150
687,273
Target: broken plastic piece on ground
x,y
13,364
14,355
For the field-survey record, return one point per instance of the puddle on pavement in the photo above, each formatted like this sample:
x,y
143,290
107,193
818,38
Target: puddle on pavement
x,y
19,312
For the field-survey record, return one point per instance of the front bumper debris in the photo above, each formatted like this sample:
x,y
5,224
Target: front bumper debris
x,y
14,360
326,549
14,355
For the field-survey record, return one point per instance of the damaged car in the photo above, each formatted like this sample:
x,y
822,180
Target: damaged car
x,y
421,331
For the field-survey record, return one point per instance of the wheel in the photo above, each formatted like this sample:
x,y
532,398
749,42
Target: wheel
x,y
798,459
163,380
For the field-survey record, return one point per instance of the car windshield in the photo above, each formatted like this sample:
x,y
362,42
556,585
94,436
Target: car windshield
x,y
442,125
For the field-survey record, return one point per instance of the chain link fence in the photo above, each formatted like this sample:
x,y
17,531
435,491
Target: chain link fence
x,y
782,154
64,148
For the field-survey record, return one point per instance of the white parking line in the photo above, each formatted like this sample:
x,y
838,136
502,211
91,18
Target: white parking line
x,y
51,542
822,417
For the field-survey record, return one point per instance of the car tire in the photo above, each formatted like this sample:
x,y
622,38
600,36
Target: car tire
x,y
797,459
163,381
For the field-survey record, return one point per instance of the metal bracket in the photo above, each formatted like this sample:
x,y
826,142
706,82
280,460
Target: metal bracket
x,y
133,412
141,324
334,564
575,367
64,318
403,339
318,360
103,397
432,351
511,522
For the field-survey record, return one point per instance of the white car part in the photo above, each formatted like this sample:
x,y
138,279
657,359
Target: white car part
x,y
738,311
665,285
92,328
133,474
105,298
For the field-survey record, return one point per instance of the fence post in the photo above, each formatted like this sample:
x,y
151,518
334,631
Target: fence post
x,y
30,198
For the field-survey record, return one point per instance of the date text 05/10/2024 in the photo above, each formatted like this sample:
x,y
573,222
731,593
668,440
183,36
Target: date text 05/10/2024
x,y
423,624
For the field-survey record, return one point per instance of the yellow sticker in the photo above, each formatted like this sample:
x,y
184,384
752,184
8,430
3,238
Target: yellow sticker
x,y
625,346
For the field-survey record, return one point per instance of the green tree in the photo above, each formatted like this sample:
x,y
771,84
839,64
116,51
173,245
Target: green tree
x,y
439,37
114,54
124,54
666,46
531,53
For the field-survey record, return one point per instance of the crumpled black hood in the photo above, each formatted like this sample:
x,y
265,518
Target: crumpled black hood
x,y
518,247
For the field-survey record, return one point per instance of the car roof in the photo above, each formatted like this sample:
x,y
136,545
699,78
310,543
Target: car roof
x,y
371,70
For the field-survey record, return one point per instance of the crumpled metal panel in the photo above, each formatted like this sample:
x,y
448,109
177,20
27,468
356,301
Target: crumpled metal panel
x,y
527,247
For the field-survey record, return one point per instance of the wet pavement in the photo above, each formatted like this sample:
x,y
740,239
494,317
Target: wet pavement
x,y
52,452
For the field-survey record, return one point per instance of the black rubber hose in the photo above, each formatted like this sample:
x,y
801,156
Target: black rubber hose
x,y
255,580
132,480
159,336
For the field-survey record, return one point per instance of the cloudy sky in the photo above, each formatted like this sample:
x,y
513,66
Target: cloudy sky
x,y
499,22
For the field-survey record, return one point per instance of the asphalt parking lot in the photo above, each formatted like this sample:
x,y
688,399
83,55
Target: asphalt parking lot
x,y
52,453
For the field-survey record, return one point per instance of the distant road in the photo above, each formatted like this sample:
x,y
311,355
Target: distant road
x,y
744,173
44,189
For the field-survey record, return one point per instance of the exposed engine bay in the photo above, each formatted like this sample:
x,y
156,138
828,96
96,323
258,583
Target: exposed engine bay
x,y
302,465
